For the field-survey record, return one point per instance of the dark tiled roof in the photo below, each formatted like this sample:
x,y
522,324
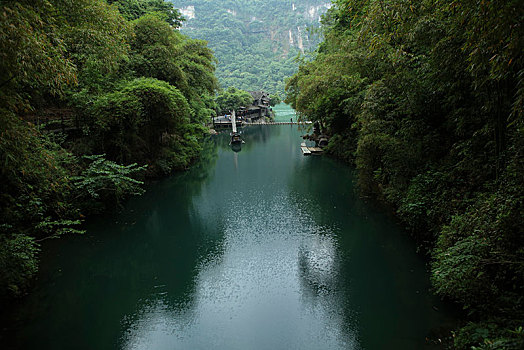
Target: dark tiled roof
x,y
257,95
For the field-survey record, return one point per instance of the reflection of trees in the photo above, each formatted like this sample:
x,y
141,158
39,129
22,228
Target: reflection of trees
x,y
171,219
322,188
200,171
379,275
147,253
193,179
104,280
318,265
179,236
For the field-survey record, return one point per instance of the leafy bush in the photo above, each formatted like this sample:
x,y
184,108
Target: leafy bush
x,y
429,203
342,146
489,336
479,257
18,263
108,182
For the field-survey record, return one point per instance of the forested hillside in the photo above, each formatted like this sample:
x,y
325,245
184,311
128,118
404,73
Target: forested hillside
x,y
426,98
255,41
94,97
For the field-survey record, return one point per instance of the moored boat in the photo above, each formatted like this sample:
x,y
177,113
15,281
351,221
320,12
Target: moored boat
x,y
235,135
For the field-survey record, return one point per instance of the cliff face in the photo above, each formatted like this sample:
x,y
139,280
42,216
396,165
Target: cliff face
x,y
283,22
254,41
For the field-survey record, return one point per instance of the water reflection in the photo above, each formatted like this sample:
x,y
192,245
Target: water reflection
x,y
236,147
256,292
253,135
301,263
317,265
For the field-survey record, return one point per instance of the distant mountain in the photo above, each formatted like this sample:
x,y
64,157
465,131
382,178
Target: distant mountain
x,y
255,41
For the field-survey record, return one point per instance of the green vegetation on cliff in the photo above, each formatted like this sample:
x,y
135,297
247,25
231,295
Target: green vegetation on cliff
x,y
426,99
255,41
134,93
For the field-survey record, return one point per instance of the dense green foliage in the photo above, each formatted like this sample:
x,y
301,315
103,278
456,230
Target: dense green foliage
x,y
426,99
232,99
255,41
134,9
132,90
275,99
104,178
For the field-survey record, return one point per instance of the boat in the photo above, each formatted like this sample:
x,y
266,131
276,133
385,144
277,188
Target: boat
x,y
236,139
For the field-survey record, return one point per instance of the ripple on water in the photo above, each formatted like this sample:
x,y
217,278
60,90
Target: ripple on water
x,y
272,286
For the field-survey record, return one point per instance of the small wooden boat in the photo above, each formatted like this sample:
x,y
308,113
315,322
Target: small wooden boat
x,y
235,135
236,139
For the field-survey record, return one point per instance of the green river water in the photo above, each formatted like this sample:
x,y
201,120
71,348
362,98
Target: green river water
x,y
260,249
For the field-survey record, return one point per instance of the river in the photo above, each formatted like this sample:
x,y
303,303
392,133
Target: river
x,y
260,249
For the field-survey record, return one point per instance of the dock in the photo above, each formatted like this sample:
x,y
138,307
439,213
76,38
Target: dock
x,y
307,151
226,124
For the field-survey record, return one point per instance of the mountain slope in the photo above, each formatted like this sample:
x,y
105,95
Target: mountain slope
x,y
256,42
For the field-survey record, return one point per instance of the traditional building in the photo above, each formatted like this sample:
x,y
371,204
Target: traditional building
x,y
259,108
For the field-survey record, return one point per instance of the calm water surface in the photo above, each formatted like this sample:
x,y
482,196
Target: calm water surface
x,y
260,249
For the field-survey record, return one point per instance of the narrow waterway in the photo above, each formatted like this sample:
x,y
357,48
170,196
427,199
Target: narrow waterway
x,y
260,249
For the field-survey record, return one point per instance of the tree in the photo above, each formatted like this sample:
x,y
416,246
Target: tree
x,y
231,99
253,37
134,9
30,55
275,99
163,53
108,182
35,201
